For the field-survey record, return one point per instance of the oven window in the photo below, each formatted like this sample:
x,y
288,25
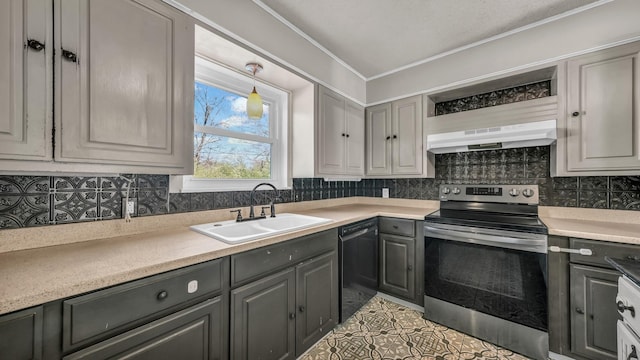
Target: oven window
x,y
506,283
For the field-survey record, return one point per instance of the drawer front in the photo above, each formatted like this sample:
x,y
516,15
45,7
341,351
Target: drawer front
x,y
402,227
93,316
194,333
256,263
601,249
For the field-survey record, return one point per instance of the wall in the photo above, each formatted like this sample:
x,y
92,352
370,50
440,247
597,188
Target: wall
x,y
41,200
616,21
247,23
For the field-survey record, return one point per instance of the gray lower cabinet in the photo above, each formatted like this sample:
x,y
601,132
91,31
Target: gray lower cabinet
x,y
282,314
316,300
24,329
180,314
401,248
397,265
263,318
190,334
582,298
594,315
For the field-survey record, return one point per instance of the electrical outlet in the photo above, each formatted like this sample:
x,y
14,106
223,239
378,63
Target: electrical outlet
x,y
385,192
131,207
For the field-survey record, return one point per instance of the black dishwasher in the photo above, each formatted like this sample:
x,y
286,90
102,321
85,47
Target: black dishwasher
x,y
358,256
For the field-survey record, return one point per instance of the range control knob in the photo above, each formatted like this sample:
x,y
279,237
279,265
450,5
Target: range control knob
x,y
446,190
455,191
527,192
514,192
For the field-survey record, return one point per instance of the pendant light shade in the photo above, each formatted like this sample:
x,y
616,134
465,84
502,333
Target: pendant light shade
x,y
254,101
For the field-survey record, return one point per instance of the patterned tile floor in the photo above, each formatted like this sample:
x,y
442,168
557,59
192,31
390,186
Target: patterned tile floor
x,y
385,330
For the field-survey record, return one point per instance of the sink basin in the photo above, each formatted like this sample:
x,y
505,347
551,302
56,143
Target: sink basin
x,y
232,232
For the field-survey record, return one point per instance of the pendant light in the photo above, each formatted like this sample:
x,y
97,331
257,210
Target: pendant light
x,y
254,101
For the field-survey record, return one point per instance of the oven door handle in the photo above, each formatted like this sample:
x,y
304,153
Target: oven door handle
x,y
511,242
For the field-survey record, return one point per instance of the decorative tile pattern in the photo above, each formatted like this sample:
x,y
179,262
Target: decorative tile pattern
x,y
382,329
498,97
40,200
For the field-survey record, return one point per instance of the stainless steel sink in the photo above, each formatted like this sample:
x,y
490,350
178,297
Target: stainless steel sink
x,y
232,232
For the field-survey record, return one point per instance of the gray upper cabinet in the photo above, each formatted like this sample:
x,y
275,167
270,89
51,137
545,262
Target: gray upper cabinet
x,y
339,135
394,139
123,90
25,89
25,330
602,118
125,87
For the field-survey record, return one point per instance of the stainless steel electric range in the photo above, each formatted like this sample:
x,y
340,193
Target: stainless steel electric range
x,y
486,265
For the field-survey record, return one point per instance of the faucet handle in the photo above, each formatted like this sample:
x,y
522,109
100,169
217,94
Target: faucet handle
x,y
239,217
262,211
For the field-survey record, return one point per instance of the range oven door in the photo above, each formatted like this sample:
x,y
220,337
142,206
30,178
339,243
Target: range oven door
x,y
478,274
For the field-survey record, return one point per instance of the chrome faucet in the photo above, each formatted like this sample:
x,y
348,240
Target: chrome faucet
x,y
271,204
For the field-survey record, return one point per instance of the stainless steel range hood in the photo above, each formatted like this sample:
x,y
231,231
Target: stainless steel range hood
x,y
537,133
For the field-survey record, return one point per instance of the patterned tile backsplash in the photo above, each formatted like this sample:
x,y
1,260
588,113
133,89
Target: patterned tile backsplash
x,y
48,200
494,98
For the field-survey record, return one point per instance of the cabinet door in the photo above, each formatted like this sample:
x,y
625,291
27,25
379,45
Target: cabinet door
x,y
124,75
331,132
21,335
263,318
397,261
355,139
195,333
407,136
25,80
317,300
378,129
603,118
593,311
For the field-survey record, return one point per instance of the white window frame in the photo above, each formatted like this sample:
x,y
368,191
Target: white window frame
x,y
211,73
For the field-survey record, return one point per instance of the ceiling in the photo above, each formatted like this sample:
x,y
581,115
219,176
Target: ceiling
x,y
376,37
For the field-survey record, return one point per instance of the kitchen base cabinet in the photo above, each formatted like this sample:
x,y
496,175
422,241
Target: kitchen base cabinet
x,y
282,313
401,248
594,315
24,329
191,334
263,318
317,300
582,298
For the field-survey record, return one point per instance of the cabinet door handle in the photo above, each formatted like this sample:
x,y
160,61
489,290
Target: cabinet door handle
x,y
347,135
301,308
633,354
388,137
410,267
343,134
35,45
575,114
622,307
292,315
69,56
579,311
162,295
395,136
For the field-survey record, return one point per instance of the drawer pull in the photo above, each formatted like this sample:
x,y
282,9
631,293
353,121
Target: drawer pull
x,y
633,354
292,316
579,311
301,308
633,258
162,295
395,227
622,307
558,249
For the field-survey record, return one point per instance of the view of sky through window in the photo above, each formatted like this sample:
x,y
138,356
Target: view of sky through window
x,y
227,144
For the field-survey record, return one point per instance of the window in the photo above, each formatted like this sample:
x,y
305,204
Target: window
x,y
231,151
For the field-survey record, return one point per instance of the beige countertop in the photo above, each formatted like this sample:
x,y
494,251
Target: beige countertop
x,y
43,264
34,276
